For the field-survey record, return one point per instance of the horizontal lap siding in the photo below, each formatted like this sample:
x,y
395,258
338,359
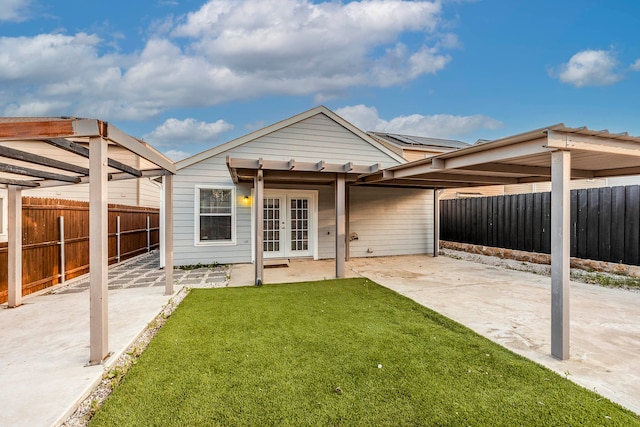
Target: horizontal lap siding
x,y
314,139
391,221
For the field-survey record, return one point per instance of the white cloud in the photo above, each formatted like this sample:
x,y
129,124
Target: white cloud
x,y
37,108
14,10
436,126
176,155
174,132
636,65
229,50
590,68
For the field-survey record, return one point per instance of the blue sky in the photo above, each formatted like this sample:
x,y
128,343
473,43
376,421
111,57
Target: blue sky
x,y
189,75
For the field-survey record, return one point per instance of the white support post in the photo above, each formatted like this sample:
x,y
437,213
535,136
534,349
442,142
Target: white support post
x,y
341,238
118,238
63,259
436,222
258,184
168,233
148,234
560,251
14,265
98,251
347,231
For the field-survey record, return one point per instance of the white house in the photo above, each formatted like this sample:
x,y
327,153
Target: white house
x,y
301,158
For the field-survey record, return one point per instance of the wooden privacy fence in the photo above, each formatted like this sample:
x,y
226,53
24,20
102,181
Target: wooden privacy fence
x,y
605,223
55,240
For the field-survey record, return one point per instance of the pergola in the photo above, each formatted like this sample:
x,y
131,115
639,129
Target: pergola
x,y
556,153
78,151
289,171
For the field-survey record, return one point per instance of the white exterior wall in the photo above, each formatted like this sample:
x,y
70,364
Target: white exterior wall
x,y
391,221
311,140
388,221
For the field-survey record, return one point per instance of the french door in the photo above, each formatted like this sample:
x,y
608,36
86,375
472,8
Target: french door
x,y
288,224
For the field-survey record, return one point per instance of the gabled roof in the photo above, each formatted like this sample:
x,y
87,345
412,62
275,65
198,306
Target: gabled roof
x,y
281,125
420,142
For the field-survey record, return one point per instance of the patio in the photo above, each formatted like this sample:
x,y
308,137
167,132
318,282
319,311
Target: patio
x,y
44,343
43,363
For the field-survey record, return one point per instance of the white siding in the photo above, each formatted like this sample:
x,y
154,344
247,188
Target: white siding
x,y
310,140
391,221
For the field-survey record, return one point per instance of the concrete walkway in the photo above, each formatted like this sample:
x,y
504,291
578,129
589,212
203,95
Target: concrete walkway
x,y
511,308
44,344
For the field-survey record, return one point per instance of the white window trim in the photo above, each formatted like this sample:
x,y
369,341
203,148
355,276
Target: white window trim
x,y
196,218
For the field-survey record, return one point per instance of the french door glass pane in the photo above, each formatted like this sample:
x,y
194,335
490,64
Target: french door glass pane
x,y
271,224
299,224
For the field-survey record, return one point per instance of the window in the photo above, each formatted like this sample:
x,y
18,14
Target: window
x,y
215,209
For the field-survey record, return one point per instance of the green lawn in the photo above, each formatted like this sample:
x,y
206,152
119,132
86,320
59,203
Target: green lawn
x,y
309,354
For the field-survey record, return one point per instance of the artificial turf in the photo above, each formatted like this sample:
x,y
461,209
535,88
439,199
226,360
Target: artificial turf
x,y
337,352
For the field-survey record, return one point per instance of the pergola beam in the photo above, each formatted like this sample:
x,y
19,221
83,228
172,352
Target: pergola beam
x,y
607,145
525,170
140,148
21,170
295,166
12,153
467,178
19,182
79,150
491,155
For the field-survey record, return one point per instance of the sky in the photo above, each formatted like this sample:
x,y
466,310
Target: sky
x,y
189,75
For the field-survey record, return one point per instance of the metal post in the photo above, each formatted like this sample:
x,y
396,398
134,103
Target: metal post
x,y
258,184
98,251
347,231
63,261
118,238
560,247
341,238
148,235
14,247
167,181
436,222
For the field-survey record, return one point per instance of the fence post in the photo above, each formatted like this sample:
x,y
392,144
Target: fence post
x,y
148,235
63,262
118,238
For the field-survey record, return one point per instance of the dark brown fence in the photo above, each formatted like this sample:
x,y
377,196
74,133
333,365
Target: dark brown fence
x,y
45,244
605,223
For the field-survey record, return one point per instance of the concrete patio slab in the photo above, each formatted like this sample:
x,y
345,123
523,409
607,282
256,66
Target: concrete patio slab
x,y
298,270
44,344
513,309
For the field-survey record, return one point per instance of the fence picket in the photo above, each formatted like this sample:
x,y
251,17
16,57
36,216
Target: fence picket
x,y
49,257
605,222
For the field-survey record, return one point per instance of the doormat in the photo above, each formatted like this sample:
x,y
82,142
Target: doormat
x,y
283,265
